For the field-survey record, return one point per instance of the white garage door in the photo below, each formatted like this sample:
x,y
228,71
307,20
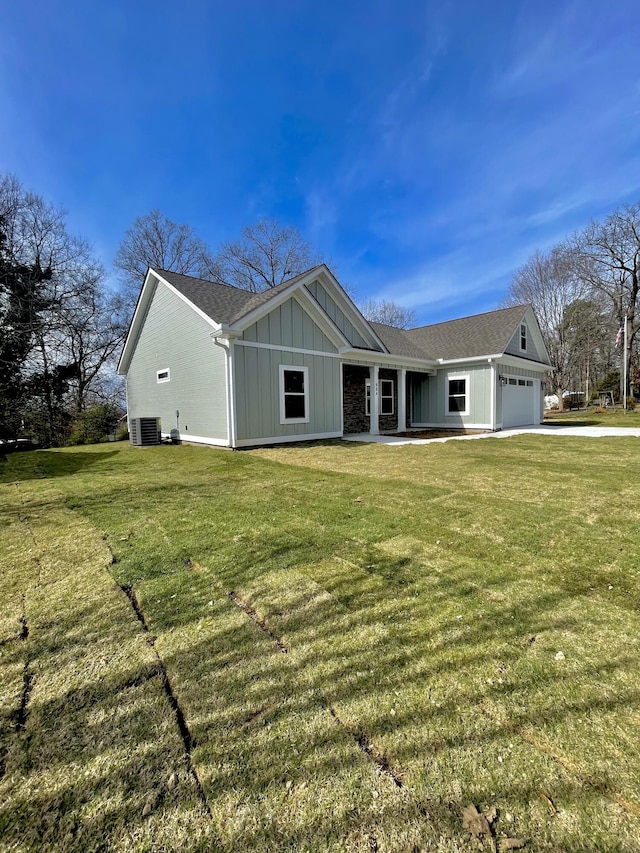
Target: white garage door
x,y
520,404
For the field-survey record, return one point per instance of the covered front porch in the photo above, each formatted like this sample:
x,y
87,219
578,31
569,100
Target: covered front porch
x,y
376,398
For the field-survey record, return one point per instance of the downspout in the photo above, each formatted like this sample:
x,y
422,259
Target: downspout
x,y
226,344
126,400
494,396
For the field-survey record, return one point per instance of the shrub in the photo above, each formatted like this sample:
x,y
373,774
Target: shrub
x,y
95,424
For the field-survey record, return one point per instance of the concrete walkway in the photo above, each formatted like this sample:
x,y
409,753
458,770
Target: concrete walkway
x,y
543,429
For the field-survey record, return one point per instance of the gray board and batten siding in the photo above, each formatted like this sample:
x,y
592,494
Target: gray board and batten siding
x,y
257,376
258,394
333,310
177,339
531,352
429,398
289,325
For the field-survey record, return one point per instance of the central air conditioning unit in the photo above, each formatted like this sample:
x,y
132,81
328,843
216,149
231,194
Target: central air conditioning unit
x,y
144,432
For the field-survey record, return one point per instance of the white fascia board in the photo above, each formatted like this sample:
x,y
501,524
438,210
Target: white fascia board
x,y
524,363
352,309
372,357
534,326
209,321
248,319
144,298
306,302
310,305
151,280
445,362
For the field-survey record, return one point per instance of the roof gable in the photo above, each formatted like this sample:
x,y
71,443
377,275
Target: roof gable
x,y
225,307
478,335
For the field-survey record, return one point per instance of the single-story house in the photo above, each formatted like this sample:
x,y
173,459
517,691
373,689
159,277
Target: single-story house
x,y
224,366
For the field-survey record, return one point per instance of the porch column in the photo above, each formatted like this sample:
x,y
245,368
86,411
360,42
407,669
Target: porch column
x,y
402,400
374,428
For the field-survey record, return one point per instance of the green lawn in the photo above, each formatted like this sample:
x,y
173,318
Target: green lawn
x,y
344,645
594,416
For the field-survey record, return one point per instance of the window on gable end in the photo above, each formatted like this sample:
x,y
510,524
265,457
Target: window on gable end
x,y
523,337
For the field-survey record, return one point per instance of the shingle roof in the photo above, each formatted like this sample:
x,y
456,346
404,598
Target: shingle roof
x,y
223,302
397,341
481,334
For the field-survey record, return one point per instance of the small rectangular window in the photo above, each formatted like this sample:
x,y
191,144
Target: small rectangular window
x,y
521,382
163,375
294,394
512,382
457,399
529,383
523,337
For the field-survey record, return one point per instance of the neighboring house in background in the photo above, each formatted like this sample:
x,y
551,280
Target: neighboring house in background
x,y
227,367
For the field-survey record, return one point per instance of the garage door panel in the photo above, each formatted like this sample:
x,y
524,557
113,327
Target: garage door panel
x,y
519,403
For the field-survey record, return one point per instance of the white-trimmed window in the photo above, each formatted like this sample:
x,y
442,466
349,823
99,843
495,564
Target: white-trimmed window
x,y
163,375
523,337
457,395
294,394
386,397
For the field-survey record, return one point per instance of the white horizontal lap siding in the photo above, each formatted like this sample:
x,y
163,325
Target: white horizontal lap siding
x,y
257,377
175,337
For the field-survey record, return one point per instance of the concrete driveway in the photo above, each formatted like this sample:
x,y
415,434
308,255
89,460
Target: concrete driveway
x,y
543,429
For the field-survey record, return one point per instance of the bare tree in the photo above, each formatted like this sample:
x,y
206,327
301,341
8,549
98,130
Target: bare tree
x,y
547,282
607,259
266,255
388,312
156,241
51,297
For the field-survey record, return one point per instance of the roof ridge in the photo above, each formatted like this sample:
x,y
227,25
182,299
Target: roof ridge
x,y
468,317
240,289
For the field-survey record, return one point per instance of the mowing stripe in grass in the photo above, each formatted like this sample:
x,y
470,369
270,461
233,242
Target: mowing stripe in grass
x,y
181,721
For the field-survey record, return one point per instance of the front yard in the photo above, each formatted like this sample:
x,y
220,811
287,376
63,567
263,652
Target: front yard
x,y
322,647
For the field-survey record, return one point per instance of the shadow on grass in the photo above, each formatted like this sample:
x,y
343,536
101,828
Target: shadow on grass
x,y
383,635
41,464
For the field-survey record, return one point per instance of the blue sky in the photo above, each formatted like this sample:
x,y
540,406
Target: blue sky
x,y
426,148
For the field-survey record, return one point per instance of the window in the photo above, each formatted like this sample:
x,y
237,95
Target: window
x,y
513,382
523,337
294,395
529,383
163,375
457,397
386,397
522,382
